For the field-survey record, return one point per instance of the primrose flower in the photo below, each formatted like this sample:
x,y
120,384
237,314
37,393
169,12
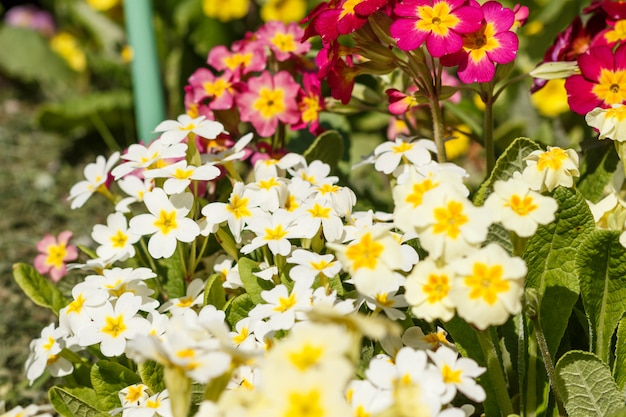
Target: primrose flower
x,y
179,175
601,82
283,39
489,286
53,254
157,405
546,170
268,100
273,230
308,265
146,157
283,10
427,291
114,239
96,176
225,12
493,43
133,394
284,307
438,23
136,188
248,58
166,222
519,208
194,296
174,131
388,155
458,374
610,123
310,103
219,90
45,354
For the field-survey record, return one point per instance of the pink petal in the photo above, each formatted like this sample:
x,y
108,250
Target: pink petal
x,y
580,96
477,71
439,45
471,19
45,243
501,17
407,35
507,51
594,61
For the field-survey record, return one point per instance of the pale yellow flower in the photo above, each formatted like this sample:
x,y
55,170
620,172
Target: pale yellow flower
x,y
284,10
551,100
67,47
103,5
225,10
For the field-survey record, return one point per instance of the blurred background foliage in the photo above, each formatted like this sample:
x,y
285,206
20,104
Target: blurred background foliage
x,y
66,96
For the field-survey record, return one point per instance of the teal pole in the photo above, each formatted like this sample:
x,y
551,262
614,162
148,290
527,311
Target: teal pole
x,y
145,73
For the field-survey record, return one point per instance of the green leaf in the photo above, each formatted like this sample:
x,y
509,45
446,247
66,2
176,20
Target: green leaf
x,y
586,385
239,308
107,379
151,374
170,272
619,367
75,402
601,262
619,413
42,291
253,284
80,111
596,171
550,257
26,55
214,293
511,160
327,147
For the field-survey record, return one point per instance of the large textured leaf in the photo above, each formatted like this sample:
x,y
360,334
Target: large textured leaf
x,y
596,171
76,402
586,385
39,289
253,284
510,161
170,272
328,148
238,309
619,367
214,293
550,256
107,379
151,374
601,264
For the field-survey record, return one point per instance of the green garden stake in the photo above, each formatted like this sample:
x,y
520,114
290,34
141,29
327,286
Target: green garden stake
x,y
146,76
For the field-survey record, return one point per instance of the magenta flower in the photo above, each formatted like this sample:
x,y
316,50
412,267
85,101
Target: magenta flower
x,y
283,40
310,103
249,58
602,81
54,253
494,43
218,90
438,23
269,99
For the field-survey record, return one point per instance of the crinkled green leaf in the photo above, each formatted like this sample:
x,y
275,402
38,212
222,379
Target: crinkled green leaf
x,y
327,147
550,257
26,55
42,291
619,367
586,385
239,308
596,171
151,374
511,160
170,273
76,402
619,413
601,264
107,379
253,284
214,293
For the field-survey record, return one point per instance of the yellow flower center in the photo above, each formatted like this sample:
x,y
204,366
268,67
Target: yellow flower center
x,y
217,87
237,59
185,302
306,357
618,33
437,287
183,174
611,87
402,147
56,254
166,221
285,304
239,338
618,113
310,108
270,102
304,405
49,344
284,42
449,219
76,306
521,205
318,211
365,253
436,19
384,301
114,326
328,188
480,42
134,393
450,376
486,282
348,8
552,159
320,266
419,189
239,207
119,239
276,233
269,183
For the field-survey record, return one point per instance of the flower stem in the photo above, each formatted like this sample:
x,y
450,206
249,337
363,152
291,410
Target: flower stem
x,y
496,374
488,128
438,136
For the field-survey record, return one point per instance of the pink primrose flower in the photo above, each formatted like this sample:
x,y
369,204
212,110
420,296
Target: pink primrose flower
x,y
53,254
250,58
602,81
269,99
494,43
310,103
400,103
438,23
283,40
218,90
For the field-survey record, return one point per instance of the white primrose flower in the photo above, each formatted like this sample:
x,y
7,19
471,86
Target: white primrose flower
x,y
243,335
298,192
342,199
225,266
610,123
45,354
157,405
28,411
273,230
117,281
518,208
74,316
308,265
174,131
194,296
416,338
241,207
388,302
458,374
231,154
489,286
179,175
388,155
140,157
546,170
96,175
136,188
315,214
112,326
166,222
283,308
116,243
367,399
269,193
427,291
133,395
316,173
246,377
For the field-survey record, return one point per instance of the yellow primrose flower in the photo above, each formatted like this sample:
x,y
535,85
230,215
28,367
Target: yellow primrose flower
x,y
67,47
551,100
103,5
225,10
284,10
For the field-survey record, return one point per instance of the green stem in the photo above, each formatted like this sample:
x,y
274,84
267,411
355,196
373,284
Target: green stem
x,y
488,128
104,131
438,135
496,374
531,378
181,254
547,360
